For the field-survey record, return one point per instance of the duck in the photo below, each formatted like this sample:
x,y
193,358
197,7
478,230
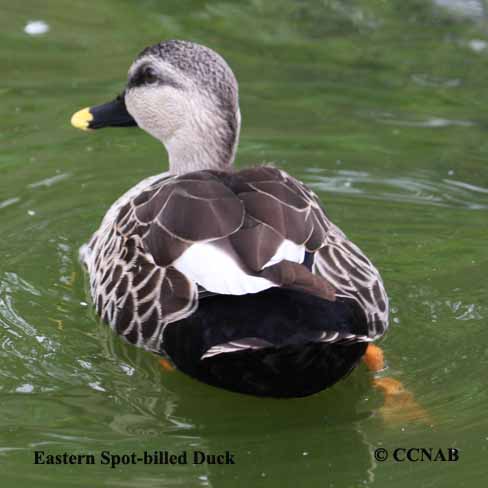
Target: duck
x,y
235,277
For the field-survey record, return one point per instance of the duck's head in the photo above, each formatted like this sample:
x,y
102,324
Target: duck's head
x,y
183,94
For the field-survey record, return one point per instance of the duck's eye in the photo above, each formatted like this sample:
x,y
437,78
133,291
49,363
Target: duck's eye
x,y
149,75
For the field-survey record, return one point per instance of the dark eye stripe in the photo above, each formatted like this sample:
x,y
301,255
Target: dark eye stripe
x,y
146,75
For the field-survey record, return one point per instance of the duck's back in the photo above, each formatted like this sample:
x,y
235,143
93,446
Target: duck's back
x,y
242,249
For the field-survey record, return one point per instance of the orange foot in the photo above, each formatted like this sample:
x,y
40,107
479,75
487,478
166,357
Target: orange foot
x,y
400,404
167,366
374,358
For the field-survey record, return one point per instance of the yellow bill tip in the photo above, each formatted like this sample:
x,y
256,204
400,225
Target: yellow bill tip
x,y
82,119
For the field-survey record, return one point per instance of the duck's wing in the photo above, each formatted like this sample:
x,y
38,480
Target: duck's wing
x,y
221,233
131,292
353,276
293,211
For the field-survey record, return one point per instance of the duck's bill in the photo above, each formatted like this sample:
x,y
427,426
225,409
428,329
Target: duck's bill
x,y
111,114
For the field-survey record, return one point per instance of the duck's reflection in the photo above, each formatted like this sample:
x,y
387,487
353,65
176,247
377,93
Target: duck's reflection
x,y
315,439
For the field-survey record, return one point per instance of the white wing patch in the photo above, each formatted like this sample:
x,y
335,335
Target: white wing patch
x,y
288,251
216,271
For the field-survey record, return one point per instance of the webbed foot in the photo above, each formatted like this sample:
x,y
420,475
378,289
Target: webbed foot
x,y
399,403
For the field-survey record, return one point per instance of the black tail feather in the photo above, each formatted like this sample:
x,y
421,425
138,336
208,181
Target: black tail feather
x,y
294,365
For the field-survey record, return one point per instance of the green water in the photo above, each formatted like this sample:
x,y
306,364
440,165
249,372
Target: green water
x,y
380,106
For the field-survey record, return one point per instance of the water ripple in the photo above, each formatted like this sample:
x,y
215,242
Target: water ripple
x,y
407,189
432,122
52,180
8,314
9,201
470,9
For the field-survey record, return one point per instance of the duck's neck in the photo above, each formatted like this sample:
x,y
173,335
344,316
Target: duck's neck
x,y
204,145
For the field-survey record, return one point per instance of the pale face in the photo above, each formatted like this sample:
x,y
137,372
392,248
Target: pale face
x,y
158,97
172,107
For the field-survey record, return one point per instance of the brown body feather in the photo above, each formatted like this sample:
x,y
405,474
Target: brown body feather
x,y
247,215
